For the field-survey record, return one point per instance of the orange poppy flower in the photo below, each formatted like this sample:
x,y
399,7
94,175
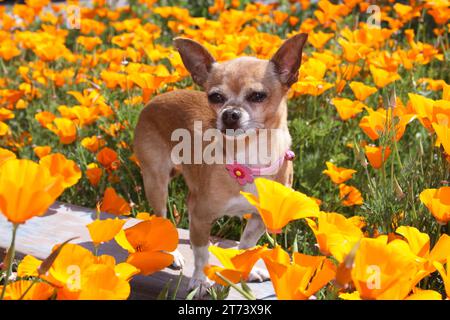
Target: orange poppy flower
x,y
100,282
115,204
377,155
94,174
423,107
4,129
108,158
60,166
26,190
319,39
39,291
347,108
353,51
8,50
5,155
149,83
438,202
384,270
42,151
279,17
237,264
337,174
89,43
443,135
78,274
28,267
299,279
311,77
376,123
65,129
382,78
92,143
350,196
143,216
335,234
148,243
45,118
445,274
348,72
419,245
419,294
6,114
104,230
278,204
362,91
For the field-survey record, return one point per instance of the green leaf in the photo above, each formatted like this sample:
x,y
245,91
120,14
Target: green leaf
x,y
164,292
192,294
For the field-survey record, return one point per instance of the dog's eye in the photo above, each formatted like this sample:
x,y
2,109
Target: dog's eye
x,y
216,98
257,97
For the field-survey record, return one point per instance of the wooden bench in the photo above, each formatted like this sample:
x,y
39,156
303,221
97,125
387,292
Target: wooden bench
x,y
62,221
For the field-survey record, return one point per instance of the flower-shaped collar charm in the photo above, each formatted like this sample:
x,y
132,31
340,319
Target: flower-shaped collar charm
x,y
244,174
241,173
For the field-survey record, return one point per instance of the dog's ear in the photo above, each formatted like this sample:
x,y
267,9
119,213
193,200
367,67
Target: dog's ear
x,y
288,58
195,58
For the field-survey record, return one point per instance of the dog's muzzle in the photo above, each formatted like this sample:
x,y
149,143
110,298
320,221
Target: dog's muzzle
x,y
231,118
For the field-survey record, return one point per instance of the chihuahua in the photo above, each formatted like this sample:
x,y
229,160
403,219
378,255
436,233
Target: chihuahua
x,y
243,93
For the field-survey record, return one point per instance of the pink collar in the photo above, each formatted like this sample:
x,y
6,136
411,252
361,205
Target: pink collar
x,y
244,174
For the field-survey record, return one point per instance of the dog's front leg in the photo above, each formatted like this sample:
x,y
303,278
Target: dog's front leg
x,y
253,231
199,235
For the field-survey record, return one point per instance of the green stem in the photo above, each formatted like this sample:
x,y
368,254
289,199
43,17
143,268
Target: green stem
x,y
10,258
274,237
4,67
397,155
246,295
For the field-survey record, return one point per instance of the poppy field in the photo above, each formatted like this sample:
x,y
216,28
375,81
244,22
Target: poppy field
x,y
368,216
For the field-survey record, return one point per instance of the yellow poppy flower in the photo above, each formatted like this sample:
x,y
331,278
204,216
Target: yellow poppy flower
x,y
299,279
65,129
362,91
278,204
39,291
5,155
104,230
237,264
335,234
347,108
337,174
60,166
26,190
438,202
382,78
100,282
384,270
42,151
28,267
445,274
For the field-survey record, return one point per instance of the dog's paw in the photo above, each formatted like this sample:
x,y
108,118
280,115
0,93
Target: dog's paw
x,y
258,275
178,260
201,284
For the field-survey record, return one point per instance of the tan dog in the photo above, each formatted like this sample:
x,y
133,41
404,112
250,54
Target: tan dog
x,y
244,93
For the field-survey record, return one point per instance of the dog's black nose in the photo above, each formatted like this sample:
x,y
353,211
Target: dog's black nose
x,y
231,117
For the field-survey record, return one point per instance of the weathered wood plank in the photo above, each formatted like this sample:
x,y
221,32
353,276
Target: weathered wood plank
x,y
38,236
